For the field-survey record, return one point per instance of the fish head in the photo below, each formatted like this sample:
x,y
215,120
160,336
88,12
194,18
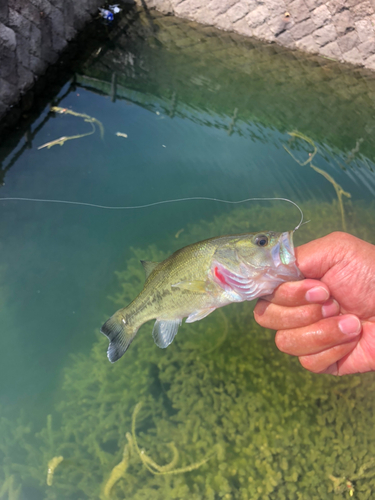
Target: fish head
x,y
270,250
268,259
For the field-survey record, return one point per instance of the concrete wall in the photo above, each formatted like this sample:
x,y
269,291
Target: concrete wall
x,y
32,35
339,29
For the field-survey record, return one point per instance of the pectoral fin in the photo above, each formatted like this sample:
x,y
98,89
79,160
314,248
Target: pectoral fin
x,y
165,331
197,315
192,286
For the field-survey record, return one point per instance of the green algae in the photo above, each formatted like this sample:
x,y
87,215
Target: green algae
x,y
222,390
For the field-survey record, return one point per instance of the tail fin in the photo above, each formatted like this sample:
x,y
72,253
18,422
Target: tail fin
x,y
120,336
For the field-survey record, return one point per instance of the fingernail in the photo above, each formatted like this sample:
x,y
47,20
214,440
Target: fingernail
x,y
350,325
330,308
317,294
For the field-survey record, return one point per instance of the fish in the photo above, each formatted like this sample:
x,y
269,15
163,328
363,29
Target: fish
x,y
199,278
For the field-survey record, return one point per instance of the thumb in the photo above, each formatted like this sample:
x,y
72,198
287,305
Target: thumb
x,y
315,258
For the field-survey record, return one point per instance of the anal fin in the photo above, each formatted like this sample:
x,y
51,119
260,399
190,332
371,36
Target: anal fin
x,y
164,331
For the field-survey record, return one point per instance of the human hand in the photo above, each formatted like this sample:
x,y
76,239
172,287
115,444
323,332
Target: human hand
x,y
328,319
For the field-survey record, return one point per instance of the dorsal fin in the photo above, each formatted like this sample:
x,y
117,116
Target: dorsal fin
x,y
148,266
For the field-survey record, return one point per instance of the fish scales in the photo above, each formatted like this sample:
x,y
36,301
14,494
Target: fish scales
x,y
199,278
188,264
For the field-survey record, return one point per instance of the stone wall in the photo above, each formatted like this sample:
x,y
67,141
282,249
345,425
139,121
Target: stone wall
x,y
342,30
32,35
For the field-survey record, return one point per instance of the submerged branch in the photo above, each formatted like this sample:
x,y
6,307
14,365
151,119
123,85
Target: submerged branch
x,y
152,466
63,139
299,135
118,471
87,118
52,465
339,190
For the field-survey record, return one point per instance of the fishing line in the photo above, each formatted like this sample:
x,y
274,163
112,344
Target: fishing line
x,y
137,207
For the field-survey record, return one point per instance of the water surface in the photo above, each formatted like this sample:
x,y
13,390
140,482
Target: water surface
x,y
206,113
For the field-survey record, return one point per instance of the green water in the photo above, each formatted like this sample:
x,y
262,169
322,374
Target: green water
x,y
206,113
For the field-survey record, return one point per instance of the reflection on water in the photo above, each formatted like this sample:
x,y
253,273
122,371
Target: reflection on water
x,y
187,111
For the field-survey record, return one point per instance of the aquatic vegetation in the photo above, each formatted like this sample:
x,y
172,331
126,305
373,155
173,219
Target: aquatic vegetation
x,y
52,464
339,191
8,491
89,119
272,430
342,484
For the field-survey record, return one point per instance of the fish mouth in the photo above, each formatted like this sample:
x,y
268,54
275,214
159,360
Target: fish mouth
x,y
284,258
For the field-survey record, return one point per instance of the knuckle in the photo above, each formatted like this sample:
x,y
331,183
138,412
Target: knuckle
x,y
342,238
343,245
338,234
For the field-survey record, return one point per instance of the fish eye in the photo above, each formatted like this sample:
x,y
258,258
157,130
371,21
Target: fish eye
x,y
261,240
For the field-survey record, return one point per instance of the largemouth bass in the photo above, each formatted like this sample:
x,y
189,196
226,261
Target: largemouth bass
x,y
199,278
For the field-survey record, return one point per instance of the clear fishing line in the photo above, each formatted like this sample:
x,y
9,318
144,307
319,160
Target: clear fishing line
x,y
137,207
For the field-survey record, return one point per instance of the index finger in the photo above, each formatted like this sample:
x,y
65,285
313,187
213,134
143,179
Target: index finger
x,y
299,293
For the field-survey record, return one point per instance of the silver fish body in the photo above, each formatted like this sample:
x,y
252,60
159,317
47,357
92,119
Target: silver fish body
x,y
199,278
